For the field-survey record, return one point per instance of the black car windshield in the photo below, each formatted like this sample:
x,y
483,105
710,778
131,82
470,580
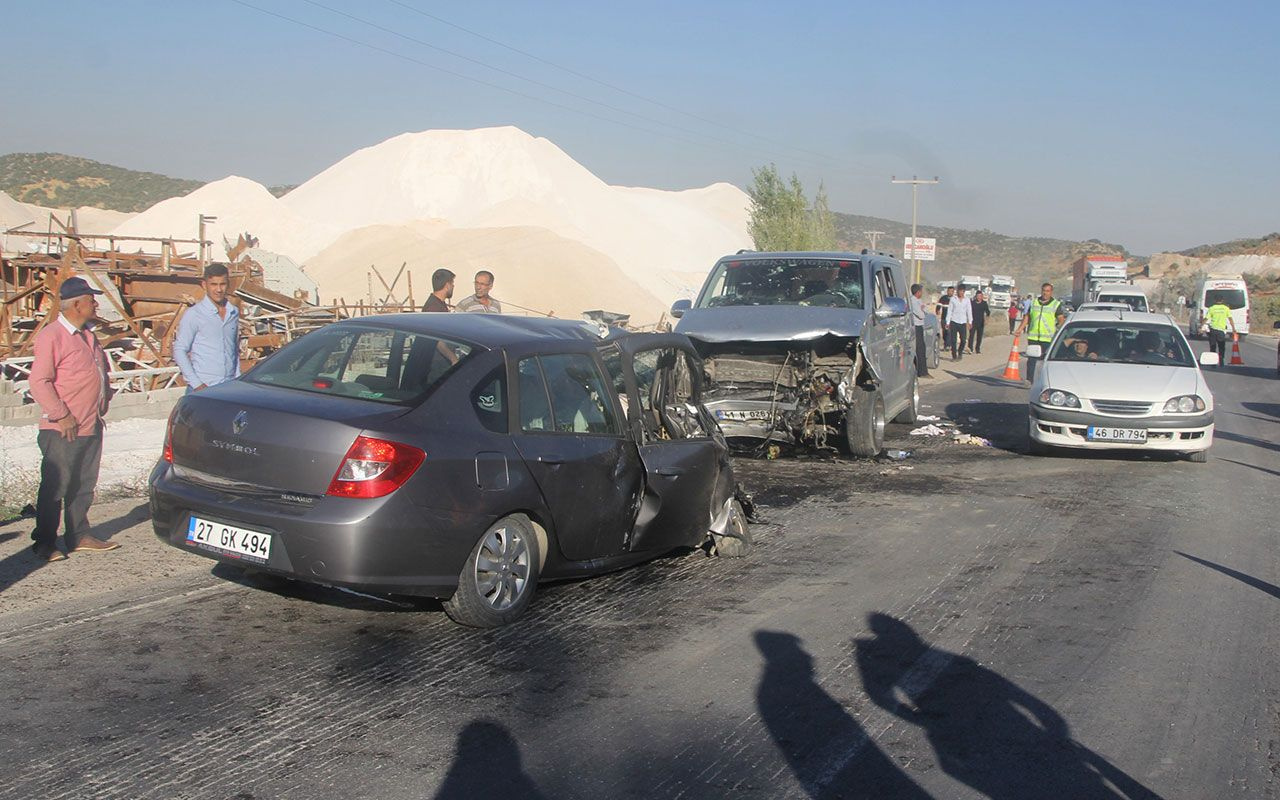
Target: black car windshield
x,y
785,282
1234,298
378,364
1123,343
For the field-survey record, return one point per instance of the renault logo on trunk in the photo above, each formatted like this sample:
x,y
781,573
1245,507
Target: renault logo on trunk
x,y
239,422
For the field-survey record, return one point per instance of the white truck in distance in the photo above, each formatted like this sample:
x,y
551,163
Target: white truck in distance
x,y
1090,273
971,283
1003,290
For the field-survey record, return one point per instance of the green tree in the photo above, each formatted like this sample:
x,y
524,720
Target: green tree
x,y
783,219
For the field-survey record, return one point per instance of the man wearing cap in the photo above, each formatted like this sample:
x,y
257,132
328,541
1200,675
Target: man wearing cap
x,y
207,346
69,382
481,302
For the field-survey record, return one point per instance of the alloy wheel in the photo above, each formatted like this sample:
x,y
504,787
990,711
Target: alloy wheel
x,y
502,567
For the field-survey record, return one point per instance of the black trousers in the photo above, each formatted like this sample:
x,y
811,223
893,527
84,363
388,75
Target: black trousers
x,y
68,477
1031,362
1218,342
958,334
1012,324
922,365
975,337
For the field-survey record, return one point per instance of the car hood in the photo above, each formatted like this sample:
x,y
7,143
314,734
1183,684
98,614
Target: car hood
x,y
1137,382
768,324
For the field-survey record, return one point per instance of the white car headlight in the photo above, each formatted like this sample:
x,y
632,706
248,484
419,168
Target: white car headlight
x,y
1059,398
1186,404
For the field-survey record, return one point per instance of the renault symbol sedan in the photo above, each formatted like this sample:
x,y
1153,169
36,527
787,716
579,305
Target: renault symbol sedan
x,y
1121,380
459,456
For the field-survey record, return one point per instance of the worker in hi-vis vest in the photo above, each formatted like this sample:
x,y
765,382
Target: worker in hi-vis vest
x,y
1041,323
1219,317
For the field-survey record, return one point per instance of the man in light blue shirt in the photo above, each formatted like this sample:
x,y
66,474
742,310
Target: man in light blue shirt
x,y
207,347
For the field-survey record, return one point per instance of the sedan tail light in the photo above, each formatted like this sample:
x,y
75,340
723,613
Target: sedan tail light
x,y
168,437
374,468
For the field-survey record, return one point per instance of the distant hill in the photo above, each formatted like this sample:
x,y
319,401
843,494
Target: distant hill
x,y
1030,260
1268,245
56,180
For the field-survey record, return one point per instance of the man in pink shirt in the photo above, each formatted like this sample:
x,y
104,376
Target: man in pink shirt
x,y
69,381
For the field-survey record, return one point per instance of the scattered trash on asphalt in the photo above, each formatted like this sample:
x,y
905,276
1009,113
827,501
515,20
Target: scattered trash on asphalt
x,y
973,400
928,418
897,455
929,430
968,438
895,470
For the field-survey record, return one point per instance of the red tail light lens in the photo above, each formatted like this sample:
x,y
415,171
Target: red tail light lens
x,y
168,437
374,468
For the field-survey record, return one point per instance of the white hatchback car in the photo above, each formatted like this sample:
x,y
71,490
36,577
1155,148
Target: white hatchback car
x,y
1121,380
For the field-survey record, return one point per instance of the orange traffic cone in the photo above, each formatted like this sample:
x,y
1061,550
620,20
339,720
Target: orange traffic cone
x,y
1011,372
1236,360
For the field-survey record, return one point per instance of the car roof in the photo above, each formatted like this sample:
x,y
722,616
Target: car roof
x,y
487,330
831,254
1120,288
1104,315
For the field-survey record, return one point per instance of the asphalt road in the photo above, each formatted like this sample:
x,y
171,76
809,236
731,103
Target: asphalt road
x,y
984,623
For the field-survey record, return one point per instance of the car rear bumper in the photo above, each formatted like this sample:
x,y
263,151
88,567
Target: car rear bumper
x,y
388,545
1064,429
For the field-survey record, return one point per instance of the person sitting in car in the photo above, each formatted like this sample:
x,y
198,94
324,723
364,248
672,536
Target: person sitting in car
x,y
1149,347
1078,348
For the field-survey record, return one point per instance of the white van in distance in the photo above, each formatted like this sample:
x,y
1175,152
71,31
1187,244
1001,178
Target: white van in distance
x,y
1229,289
1125,293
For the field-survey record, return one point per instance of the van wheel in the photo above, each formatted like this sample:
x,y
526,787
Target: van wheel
x,y
864,423
911,413
735,542
499,578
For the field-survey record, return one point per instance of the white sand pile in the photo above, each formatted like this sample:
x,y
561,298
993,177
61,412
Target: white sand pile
x,y
89,219
503,177
534,268
1221,265
241,205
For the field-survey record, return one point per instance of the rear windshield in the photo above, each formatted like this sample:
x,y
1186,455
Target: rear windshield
x,y
1134,301
378,364
785,282
1234,298
1121,343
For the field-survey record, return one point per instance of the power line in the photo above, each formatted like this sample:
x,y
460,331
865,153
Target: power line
x,y
597,81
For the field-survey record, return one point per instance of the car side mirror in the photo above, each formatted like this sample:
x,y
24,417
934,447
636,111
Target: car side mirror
x,y
892,307
1035,351
1208,359
679,307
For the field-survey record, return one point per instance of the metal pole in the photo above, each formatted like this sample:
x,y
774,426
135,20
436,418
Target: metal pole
x,y
915,183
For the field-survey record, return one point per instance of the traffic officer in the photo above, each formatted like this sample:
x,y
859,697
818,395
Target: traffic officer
x,y
1219,317
1041,322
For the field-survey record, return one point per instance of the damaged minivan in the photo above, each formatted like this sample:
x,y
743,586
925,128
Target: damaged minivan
x,y
809,349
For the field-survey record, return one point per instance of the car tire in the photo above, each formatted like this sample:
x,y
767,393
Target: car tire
x,y
864,423
910,414
735,542
490,590
1037,448
1198,457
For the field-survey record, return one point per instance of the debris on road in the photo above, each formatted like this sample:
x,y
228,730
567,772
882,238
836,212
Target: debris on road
x,y
928,418
968,438
929,430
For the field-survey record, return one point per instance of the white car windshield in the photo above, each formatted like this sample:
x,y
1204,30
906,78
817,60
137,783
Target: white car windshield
x,y
785,281
1122,343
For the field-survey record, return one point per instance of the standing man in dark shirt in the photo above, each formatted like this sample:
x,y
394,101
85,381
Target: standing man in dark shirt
x,y
981,310
441,291
940,311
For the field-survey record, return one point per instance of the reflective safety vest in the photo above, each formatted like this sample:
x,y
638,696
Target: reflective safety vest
x,y
1218,316
1042,321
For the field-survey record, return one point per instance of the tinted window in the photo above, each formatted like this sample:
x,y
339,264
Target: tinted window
x,y
1134,301
1234,298
1118,343
489,400
535,409
379,364
581,401
789,281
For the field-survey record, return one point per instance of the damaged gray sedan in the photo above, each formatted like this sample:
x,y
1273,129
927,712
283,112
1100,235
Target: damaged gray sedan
x,y
805,348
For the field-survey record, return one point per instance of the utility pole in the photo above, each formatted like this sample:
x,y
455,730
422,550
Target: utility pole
x,y
915,185
873,235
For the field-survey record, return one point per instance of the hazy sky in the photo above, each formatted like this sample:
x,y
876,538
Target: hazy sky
x,y
1154,125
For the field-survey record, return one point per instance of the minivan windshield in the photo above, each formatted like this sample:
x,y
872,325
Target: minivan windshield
x,y
1123,343
378,364
1135,301
835,283
1234,298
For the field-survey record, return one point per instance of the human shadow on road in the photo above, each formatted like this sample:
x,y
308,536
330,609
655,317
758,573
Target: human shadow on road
x,y
19,565
1248,580
1269,409
1250,466
988,380
986,731
828,751
1235,437
486,763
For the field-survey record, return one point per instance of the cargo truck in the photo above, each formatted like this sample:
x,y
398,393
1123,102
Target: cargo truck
x,y
1003,290
1090,273
971,284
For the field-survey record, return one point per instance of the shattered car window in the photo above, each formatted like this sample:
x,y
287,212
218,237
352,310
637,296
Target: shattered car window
x,y
834,283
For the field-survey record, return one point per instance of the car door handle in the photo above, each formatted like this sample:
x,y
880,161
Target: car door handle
x,y
669,472
550,460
